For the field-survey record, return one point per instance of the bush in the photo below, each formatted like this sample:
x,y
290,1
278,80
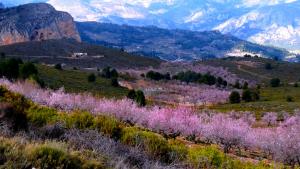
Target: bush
x,y
154,144
91,77
268,66
109,73
58,66
234,97
205,157
114,82
250,95
28,69
10,68
47,158
137,96
157,76
140,98
237,85
80,120
245,85
15,119
275,82
177,151
41,116
246,96
108,126
131,95
289,99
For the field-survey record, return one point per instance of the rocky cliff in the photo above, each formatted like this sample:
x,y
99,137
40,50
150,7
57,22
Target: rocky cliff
x,y
35,22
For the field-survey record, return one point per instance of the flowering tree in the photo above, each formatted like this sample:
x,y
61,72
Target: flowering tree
x,y
230,131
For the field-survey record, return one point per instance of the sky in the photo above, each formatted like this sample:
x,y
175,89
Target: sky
x,y
92,10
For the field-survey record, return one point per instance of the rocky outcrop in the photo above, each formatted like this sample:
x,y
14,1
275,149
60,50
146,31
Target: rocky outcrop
x,y
35,22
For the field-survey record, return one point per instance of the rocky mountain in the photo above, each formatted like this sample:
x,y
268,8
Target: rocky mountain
x,y
35,22
267,22
172,44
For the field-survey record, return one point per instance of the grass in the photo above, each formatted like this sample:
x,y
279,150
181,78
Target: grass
x,y
272,99
76,81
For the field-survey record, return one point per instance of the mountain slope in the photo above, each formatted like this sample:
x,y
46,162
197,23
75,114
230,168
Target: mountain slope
x,y
171,44
35,22
59,51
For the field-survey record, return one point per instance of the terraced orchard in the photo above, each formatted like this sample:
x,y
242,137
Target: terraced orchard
x,y
173,136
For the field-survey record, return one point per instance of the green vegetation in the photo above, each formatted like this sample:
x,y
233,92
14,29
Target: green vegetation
x,y
275,82
255,69
157,76
58,66
250,95
76,81
15,153
234,97
109,73
91,78
194,77
270,100
137,96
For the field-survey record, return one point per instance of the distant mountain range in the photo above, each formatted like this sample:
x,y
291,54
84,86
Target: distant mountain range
x,y
172,44
268,22
40,22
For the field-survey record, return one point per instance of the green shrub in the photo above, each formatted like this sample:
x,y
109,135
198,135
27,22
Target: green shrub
x,y
154,144
275,82
114,82
131,94
208,157
140,98
108,126
47,157
12,154
58,66
80,120
234,97
289,99
10,68
15,119
177,151
41,116
250,95
91,77
28,69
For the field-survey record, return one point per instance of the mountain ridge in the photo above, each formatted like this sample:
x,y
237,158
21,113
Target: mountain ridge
x,y
200,15
35,22
171,45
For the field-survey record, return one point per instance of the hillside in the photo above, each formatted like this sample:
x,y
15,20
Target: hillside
x,y
59,51
171,44
255,68
35,22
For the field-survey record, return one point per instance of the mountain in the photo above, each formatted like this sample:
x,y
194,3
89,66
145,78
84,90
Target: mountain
x,y
35,22
1,5
172,44
275,23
